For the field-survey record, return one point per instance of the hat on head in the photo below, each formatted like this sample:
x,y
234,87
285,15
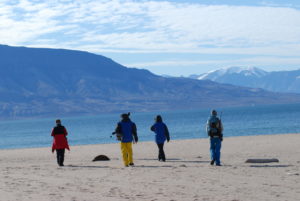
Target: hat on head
x,y
125,115
214,112
158,118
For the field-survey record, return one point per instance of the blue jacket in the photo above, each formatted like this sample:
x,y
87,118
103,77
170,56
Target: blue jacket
x,y
128,130
161,132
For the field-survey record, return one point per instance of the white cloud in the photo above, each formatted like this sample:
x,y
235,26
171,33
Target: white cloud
x,y
254,61
151,26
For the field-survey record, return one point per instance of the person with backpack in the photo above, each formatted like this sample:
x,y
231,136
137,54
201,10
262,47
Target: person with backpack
x,y
214,130
161,135
127,132
60,142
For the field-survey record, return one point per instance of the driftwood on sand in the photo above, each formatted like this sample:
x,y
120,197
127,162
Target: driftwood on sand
x,y
262,160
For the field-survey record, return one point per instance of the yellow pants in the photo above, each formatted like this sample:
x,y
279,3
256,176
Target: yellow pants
x,y
126,148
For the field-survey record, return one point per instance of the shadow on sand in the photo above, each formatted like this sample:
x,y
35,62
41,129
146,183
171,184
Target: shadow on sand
x,y
155,159
270,166
175,160
183,161
154,166
86,166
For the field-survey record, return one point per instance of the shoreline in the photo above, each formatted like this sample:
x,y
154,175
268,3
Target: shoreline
x,y
117,142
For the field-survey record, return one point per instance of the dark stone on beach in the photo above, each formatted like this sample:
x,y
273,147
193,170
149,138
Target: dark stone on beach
x,y
101,158
262,160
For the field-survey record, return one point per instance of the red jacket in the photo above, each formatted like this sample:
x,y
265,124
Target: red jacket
x,y
60,141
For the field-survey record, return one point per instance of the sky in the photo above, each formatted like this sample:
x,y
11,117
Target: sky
x,y
171,37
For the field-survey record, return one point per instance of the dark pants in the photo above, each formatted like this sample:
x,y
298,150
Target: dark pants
x,y
161,153
60,155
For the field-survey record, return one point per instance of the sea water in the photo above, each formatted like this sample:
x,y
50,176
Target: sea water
x,y
237,121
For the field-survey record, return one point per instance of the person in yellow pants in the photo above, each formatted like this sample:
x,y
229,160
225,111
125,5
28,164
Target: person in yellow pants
x,y
128,132
126,148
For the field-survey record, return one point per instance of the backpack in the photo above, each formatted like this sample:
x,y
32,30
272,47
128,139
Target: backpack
x,y
214,129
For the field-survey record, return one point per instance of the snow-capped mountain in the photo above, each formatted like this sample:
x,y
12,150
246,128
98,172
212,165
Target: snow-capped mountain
x,y
55,82
233,71
279,81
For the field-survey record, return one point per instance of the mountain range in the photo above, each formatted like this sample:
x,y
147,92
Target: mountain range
x,y
279,81
41,82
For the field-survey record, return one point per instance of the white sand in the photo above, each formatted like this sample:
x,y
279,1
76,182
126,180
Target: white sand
x,y
32,174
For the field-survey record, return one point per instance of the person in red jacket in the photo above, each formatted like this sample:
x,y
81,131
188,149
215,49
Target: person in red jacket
x,y
60,142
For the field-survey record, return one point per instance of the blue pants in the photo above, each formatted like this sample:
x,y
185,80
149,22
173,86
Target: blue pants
x,y
215,150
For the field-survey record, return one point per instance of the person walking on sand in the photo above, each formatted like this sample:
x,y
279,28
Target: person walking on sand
x,y
214,130
161,135
60,142
128,132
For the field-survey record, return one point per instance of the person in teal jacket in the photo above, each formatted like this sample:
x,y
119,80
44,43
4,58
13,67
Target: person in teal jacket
x,y
214,128
161,135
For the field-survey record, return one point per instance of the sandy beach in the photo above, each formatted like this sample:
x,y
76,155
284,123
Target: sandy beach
x,y
32,174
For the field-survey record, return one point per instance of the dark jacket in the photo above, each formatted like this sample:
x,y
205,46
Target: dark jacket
x,y
128,130
161,132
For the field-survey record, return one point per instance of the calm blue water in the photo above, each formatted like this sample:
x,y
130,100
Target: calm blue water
x,y
239,121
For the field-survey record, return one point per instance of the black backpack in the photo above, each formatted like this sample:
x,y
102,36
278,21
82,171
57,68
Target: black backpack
x,y
215,130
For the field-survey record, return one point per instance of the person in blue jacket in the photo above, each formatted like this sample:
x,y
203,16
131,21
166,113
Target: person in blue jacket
x,y
128,134
161,135
214,130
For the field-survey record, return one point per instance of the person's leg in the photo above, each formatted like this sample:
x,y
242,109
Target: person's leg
x,y
124,153
212,150
159,155
130,153
57,156
161,152
62,157
218,151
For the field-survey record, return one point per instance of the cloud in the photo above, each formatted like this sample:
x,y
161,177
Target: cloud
x,y
151,26
254,61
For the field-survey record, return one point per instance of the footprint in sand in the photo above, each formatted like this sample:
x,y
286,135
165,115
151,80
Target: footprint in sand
x,y
114,191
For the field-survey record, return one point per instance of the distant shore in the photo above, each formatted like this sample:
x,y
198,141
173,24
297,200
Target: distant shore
x,y
114,141
32,173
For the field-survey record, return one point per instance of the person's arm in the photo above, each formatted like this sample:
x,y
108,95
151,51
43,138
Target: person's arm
x,y
134,133
167,134
208,126
221,128
152,128
118,128
65,131
52,134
